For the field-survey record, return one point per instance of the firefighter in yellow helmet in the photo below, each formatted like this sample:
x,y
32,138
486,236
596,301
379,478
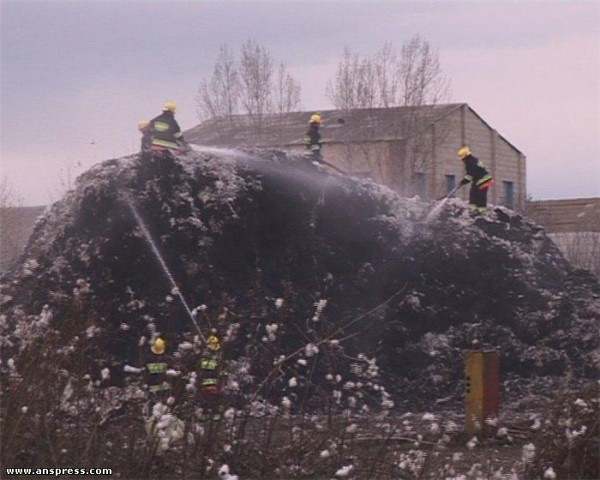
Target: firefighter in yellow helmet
x,y
165,131
476,174
312,139
163,428
209,374
156,366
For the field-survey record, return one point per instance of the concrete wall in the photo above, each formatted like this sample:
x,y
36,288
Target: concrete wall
x,y
582,249
385,162
448,140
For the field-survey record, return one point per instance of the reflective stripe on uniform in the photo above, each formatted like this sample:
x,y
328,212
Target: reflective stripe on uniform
x,y
161,126
208,364
159,388
157,367
165,143
209,381
486,178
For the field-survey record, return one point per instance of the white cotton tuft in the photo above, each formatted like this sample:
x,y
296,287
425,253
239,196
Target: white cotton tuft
x,y
352,428
528,452
224,473
311,349
344,471
549,473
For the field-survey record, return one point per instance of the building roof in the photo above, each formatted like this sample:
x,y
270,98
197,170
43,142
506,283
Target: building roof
x,y
571,215
338,126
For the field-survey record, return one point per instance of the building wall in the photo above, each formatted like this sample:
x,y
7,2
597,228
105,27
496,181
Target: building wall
x,y
448,136
367,159
384,161
506,164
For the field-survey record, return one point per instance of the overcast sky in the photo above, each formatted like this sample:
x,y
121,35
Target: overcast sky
x,y
77,76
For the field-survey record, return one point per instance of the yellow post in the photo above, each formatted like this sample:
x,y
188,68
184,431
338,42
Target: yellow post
x,y
481,391
473,391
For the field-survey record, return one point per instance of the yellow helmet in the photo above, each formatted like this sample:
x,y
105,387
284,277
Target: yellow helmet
x,y
158,346
169,107
213,343
315,118
463,152
143,123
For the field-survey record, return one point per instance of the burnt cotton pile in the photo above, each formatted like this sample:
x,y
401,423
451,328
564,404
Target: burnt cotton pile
x,y
320,274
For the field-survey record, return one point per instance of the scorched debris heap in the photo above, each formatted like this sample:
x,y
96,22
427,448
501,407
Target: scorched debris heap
x,y
289,263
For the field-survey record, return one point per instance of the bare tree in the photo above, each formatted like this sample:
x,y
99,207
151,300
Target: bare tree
x,y
420,73
286,97
220,95
353,85
256,79
411,78
388,81
287,93
11,239
250,84
7,196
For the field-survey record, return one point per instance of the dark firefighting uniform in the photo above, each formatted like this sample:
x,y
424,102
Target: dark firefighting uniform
x,y
312,142
480,179
159,388
209,375
165,132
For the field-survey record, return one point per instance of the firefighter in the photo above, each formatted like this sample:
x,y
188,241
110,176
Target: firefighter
x,y
156,366
476,174
163,428
165,131
146,137
312,139
208,375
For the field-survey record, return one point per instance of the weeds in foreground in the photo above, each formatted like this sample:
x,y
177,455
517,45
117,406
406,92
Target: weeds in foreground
x,y
281,416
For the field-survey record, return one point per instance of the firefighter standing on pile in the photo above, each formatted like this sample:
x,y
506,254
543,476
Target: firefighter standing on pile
x,y
208,374
312,139
476,174
165,132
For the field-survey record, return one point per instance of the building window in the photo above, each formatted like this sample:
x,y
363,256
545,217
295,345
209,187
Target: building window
x,y
450,183
509,194
420,185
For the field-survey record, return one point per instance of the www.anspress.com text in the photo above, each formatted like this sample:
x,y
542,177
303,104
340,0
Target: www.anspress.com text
x,y
58,472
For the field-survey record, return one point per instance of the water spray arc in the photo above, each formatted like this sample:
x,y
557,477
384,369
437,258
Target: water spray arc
x,y
441,202
154,248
